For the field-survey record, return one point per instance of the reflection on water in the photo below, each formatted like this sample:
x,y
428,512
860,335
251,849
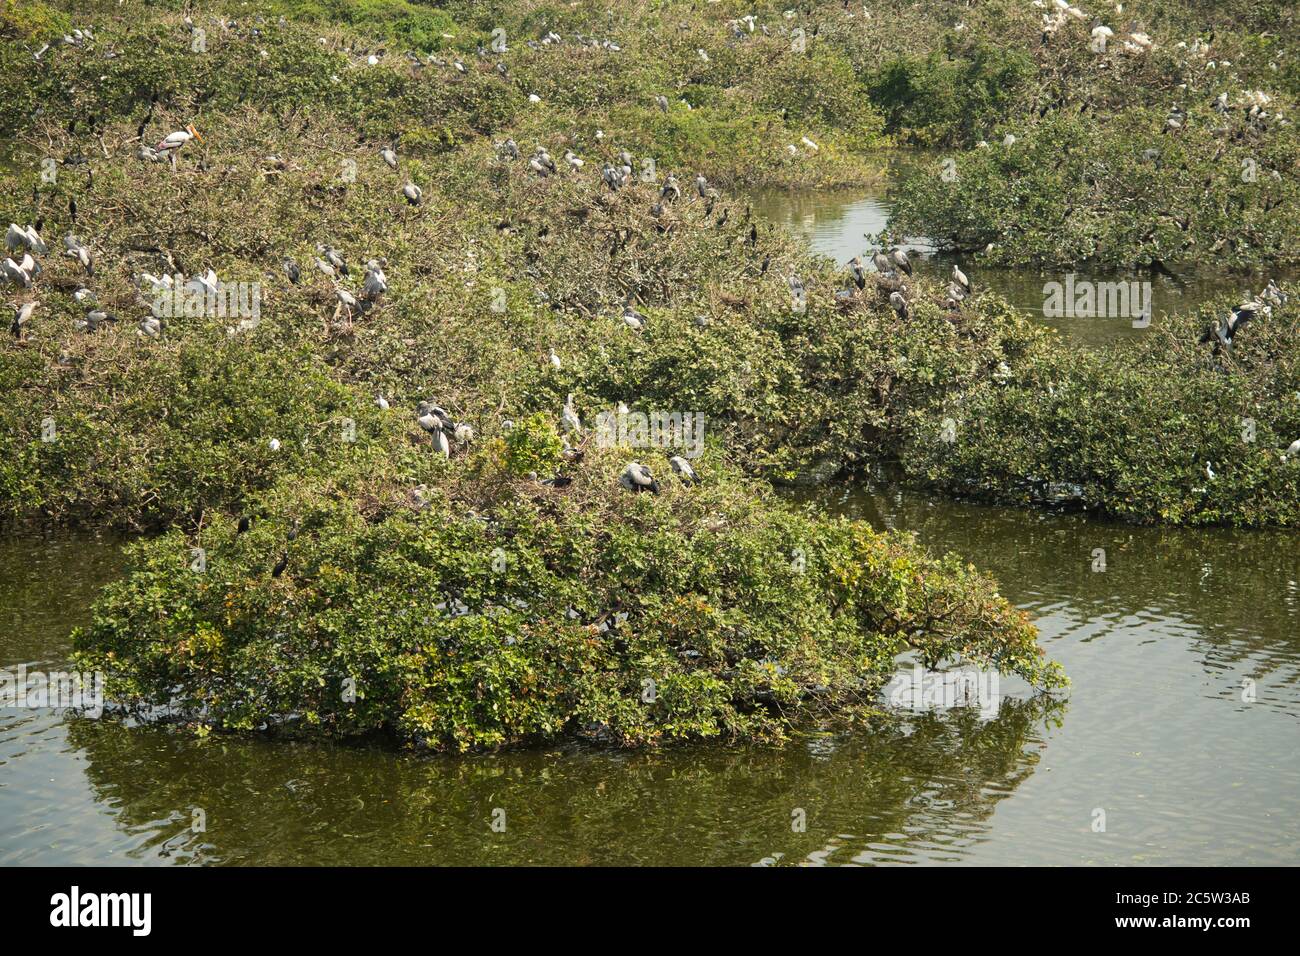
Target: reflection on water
x,y
1156,733
840,225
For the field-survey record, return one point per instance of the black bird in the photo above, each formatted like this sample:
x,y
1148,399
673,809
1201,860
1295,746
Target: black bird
x,y
243,525
280,565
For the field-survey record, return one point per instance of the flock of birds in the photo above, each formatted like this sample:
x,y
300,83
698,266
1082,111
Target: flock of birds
x,y
893,268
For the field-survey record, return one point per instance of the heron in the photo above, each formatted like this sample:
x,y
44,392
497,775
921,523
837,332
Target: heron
x,y
389,156
882,263
633,319
413,193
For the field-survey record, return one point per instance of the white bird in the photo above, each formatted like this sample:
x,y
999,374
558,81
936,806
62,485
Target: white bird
x,y
633,319
17,273
413,193
555,360
1292,450
1209,472
463,433
150,326
570,416
682,468
388,156
440,442
959,277
381,402
274,444
170,145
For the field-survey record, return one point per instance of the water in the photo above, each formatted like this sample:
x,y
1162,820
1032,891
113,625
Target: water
x,y
1156,732
837,224
1181,727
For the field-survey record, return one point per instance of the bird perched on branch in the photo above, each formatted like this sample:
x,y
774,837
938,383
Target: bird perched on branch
x,y
637,477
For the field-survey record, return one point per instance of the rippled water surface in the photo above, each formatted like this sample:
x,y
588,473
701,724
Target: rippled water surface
x,y
1158,732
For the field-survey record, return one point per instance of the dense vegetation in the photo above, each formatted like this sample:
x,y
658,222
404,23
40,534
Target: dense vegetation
x,y
316,563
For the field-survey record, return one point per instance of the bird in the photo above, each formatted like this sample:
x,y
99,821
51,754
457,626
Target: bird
x,y
959,279
22,316
150,327
376,283
413,193
899,258
899,305
292,271
633,319
1209,471
463,433
381,402
388,156
74,248
569,416
637,477
555,360
682,468
702,186
671,191
882,263
859,273
573,160
346,299
170,145
1292,450
94,319
1226,328
280,565
333,258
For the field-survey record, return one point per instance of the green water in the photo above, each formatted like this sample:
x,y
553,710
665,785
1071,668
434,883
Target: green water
x,y
1156,732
